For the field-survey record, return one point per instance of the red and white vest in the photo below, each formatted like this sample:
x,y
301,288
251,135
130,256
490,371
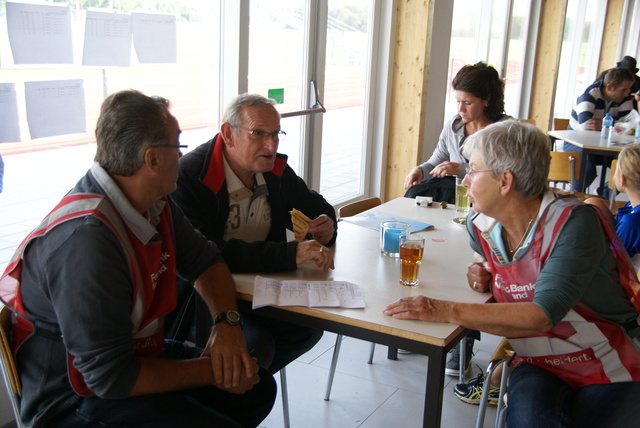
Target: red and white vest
x,y
152,266
583,348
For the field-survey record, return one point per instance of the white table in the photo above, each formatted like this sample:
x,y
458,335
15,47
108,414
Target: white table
x,y
591,143
358,260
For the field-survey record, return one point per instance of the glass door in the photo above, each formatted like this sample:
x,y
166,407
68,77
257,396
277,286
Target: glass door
x,y
313,57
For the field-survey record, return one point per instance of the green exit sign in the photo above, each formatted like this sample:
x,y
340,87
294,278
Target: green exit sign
x,y
276,95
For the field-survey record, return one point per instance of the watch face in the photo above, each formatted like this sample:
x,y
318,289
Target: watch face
x,y
233,317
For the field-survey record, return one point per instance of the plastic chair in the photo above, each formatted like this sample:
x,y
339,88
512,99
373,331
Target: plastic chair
x,y
347,211
9,369
502,354
564,168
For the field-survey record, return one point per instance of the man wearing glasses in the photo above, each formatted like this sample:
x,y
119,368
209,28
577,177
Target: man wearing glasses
x,y
96,279
238,191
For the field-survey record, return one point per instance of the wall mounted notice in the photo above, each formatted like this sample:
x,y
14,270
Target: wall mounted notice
x,y
55,107
9,128
39,33
107,39
154,37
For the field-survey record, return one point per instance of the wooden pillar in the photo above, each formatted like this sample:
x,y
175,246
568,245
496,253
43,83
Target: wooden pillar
x,y
547,59
611,35
408,92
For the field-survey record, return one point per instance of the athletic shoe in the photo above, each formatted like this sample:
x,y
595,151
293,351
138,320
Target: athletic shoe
x,y
452,368
471,392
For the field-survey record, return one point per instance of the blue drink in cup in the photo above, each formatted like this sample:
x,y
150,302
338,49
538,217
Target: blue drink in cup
x,y
390,233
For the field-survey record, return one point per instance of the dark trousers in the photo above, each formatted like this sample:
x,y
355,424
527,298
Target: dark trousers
x,y
274,343
205,406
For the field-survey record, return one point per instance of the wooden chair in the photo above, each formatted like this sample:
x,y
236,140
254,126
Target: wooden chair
x,y
564,168
357,207
347,211
9,369
560,124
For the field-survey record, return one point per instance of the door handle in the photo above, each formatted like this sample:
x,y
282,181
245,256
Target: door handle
x,y
316,104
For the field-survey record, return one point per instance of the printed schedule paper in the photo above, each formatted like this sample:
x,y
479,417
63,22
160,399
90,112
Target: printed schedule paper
x,y
332,294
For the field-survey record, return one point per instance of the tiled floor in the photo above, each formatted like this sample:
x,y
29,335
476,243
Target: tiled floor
x,y
386,393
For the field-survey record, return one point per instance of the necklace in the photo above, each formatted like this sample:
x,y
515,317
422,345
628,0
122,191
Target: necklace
x,y
524,235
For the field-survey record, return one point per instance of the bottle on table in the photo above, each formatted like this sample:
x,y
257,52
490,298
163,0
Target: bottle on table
x,y
607,127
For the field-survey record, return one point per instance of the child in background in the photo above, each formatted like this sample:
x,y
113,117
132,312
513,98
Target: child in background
x,y
627,220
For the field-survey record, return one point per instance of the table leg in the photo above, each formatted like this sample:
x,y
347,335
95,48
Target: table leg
x,y
392,353
435,389
583,170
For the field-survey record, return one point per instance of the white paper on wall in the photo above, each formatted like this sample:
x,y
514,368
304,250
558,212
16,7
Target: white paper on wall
x,y
154,37
39,33
9,127
55,107
107,39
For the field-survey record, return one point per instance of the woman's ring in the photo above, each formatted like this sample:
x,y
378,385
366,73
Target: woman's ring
x,y
474,286
321,249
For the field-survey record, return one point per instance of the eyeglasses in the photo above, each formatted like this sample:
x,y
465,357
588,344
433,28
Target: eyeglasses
x,y
471,173
263,135
171,146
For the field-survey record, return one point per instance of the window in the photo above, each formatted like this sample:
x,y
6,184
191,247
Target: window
x,y
478,34
580,52
190,82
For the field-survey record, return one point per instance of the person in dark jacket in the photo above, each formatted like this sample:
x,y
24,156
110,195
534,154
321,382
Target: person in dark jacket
x,y
238,191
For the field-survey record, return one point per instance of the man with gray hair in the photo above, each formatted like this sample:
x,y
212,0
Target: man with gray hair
x,y
94,281
239,191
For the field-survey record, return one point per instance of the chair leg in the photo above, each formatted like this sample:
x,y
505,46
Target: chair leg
x,y
501,411
332,368
285,397
373,349
463,360
493,364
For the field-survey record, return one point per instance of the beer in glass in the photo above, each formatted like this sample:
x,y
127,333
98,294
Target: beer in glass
x,y
411,249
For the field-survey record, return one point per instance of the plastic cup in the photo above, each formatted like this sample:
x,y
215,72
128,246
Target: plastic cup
x,y
390,233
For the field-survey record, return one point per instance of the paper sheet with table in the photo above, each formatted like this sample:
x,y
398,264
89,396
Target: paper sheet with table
x,y
273,292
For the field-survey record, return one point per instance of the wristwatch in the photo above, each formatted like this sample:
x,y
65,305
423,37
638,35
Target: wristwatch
x,y
231,317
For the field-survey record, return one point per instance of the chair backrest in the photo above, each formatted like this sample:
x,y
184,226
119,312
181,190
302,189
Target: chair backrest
x,y
560,124
529,121
357,207
9,370
565,167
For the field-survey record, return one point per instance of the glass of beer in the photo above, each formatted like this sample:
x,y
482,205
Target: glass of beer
x,y
411,249
462,200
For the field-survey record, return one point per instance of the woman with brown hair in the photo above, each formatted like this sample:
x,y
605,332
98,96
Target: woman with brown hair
x,y
479,93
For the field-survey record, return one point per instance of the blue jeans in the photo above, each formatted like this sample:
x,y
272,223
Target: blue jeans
x,y
537,398
198,407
